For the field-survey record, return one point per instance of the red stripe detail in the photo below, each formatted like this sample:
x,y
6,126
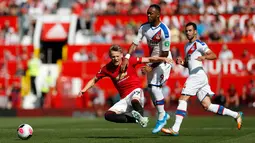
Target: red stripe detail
x,y
180,115
218,109
160,100
192,49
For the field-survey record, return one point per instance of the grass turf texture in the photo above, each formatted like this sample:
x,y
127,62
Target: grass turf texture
x,y
86,130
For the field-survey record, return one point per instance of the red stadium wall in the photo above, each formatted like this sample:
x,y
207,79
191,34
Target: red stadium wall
x,y
15,51
13,21
102,49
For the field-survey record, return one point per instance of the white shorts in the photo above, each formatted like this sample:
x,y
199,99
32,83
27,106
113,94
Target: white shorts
x,y
159,75
124,105
197,84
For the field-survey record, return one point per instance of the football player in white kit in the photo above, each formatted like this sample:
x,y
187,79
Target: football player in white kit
x,y
197,82
158,40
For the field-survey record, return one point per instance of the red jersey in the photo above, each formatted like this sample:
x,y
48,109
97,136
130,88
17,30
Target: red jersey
x,y
126,82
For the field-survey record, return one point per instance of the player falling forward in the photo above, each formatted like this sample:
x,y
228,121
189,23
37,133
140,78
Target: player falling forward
x,y
158,39
197,82
128,85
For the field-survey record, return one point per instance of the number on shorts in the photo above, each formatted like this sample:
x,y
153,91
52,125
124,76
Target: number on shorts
x,y
161,77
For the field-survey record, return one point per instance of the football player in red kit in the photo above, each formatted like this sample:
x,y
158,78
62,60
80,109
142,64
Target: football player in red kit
x,y
128,85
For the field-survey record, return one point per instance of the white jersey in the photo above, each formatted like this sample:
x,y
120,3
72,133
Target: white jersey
x,y
197,82
158,38
193,51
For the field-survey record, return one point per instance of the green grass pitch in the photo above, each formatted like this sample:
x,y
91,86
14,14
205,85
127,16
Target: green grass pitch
x,y
86,130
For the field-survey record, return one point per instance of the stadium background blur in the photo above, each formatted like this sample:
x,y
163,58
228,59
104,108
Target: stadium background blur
x,y
69,39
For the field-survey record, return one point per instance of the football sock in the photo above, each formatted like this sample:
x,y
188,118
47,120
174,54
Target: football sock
x,y
221,110
157,95
179,115
213,108
230,113
137,106
118,118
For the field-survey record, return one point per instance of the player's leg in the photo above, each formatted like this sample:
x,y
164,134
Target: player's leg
x,y
221,110
190,88
117,113
156,79
118,118
179,115
204,97
137,103
180,112
158,100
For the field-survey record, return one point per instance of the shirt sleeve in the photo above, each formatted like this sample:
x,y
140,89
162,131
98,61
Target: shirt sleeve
x,y
203,48
166,40
101,74
139,36
135,60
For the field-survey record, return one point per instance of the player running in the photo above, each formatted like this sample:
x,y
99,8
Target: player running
x,y
158,40
197,82
128,85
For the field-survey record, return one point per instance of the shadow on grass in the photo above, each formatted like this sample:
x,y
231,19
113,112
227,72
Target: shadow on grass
x,y
118,137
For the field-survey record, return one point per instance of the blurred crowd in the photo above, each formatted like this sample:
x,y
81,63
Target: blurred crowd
x,y
231,98
214,30
27,11
87,10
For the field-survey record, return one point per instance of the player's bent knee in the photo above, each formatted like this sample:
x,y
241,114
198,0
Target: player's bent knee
x,y
184,97
135,101
110,116
205,106
155,89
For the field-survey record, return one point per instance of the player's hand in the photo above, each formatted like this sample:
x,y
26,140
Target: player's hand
x,y
169,61
179,61
124,65
81,93
200,58
146,69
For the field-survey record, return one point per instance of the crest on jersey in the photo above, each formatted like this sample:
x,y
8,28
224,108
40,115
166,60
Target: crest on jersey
x,y
121,76
156,37
192,49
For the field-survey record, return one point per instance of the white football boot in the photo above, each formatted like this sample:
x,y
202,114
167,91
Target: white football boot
x,y
143,121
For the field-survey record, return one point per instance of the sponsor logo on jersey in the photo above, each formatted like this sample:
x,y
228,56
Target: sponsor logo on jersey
x,y
152,43
121,76
167,43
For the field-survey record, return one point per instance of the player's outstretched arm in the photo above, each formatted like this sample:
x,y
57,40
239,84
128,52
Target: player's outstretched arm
x,y
90,84
147,69
209,55
127,56
156,60
132,48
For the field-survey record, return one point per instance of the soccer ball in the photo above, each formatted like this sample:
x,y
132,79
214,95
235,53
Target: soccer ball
x,y
25,131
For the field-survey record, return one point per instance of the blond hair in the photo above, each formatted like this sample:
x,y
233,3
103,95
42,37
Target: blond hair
x,y
115,48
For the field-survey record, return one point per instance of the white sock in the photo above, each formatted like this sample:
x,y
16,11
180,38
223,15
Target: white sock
x,y
213,108
230,113
157,95
221,110
180,113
